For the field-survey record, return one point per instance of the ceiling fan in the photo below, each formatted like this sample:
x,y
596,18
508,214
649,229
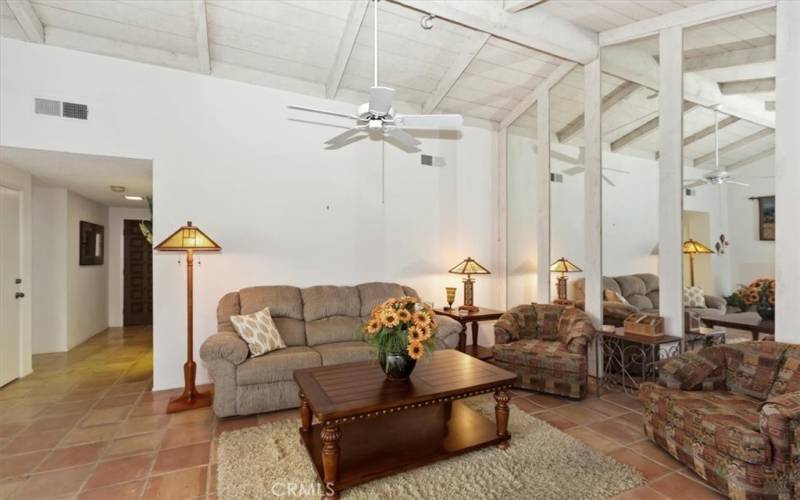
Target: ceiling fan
x,y
579,168
378,117
718,176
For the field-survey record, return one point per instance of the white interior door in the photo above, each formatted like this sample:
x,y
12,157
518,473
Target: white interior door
x,y
9,273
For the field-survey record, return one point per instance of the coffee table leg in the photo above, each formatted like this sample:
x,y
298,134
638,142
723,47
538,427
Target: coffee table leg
x,y
305,413
330,458
501,416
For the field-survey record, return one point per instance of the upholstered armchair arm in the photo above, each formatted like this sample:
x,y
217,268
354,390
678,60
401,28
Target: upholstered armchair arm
x,y
225,345
506,328
447,335
780,420
718,303
576,330
700,370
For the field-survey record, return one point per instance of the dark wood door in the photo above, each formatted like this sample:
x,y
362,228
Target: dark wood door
x,y
138,277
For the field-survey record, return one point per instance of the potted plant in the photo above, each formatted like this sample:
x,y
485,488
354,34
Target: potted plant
x,y
403,331
760,293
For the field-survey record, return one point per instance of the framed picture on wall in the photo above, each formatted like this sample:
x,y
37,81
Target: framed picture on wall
x,y
91,244
766,218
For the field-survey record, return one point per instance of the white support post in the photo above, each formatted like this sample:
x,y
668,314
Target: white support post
x,y
502,210
787,175
670,179
593,191
543,198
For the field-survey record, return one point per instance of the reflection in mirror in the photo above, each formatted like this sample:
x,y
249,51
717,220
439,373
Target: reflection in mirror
x,y
728,219
630,179
566,185
521,206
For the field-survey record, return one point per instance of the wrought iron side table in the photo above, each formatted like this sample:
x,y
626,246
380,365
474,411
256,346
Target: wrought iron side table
x,y
629,359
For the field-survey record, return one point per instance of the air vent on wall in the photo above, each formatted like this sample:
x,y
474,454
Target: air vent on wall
x,y
65,109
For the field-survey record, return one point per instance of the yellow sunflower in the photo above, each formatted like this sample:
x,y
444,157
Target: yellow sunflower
x,y
415,350
373,326
415,334
390,318
424,331
422,318
404,315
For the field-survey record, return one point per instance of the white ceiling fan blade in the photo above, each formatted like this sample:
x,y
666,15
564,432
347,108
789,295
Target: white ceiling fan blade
x,y
693,183
610,183
573,170
401,136
324,112
565,158
380,100
429,121
345,136
617,170
737,183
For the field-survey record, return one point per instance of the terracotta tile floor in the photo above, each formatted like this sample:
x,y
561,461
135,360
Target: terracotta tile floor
x,y
86,425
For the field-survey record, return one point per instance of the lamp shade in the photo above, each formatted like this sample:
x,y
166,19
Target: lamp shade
x,y
692,246
469,266
188,237
562,265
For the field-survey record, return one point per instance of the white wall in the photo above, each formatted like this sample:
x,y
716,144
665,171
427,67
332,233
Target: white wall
x,y
50,270
115,258
87,286
19,180
233,159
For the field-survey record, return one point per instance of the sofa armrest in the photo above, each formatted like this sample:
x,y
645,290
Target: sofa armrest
x,y
779,420
714,302
576,330
447,328
506,328
225,345
701,370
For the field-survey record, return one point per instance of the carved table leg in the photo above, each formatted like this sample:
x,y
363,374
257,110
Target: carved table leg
x,y
475,327
462,338
501,416
305,413
330,458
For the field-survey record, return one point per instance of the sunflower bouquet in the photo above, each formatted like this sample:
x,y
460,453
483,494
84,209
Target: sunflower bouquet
x,y
760,293
403,325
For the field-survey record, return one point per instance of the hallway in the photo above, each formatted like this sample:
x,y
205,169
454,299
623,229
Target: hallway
x,y
86,423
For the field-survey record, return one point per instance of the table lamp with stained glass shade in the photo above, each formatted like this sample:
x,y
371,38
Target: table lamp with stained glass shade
x,y
468,267
563,266
189,239
692,248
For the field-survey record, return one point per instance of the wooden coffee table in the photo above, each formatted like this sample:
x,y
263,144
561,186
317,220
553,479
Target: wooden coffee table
x,y
747,321
370,427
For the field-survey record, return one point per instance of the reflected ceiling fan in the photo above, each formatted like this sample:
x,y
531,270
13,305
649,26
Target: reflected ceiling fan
x,y
718,176
579,168
378,116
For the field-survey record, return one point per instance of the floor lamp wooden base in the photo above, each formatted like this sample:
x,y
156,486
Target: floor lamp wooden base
x,y
191,397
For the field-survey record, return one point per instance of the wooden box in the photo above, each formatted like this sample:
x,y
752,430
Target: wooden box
x,y
644,324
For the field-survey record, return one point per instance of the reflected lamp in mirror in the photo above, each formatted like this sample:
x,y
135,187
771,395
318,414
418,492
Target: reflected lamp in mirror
x,y
563,266
468,267
692,248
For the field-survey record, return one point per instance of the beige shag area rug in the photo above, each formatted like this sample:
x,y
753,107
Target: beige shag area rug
x,y
541,463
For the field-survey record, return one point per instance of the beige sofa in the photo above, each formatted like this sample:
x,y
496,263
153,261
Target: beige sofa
x,y
641,291
319,325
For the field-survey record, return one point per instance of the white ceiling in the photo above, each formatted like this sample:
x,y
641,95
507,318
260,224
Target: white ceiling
x,y
293,45
90,176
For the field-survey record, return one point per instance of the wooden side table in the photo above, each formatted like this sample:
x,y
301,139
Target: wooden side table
x,y
475,317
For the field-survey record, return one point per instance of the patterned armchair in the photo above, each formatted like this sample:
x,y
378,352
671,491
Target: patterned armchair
x,y
732,414
545,345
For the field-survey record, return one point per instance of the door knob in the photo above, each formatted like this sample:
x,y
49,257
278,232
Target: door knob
x,y
19,295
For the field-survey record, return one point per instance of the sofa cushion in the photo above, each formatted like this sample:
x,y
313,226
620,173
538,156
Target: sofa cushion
x,y
227,306
547,318
293,331
346,352
635,291
325,301
283,302
788,379
276,366
751,367
372,294
333,329
704,369
541,354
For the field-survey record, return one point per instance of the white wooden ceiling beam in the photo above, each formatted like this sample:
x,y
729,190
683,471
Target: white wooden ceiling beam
x,y
731,59
690,16
613,98
201,35
518,5
346,45
747,86
644,129
28,19
454,72
538,30
553,78
769,105
705,132
751,159
744,141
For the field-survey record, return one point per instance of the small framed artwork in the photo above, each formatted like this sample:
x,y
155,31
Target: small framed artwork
x,y
91,244
766,218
